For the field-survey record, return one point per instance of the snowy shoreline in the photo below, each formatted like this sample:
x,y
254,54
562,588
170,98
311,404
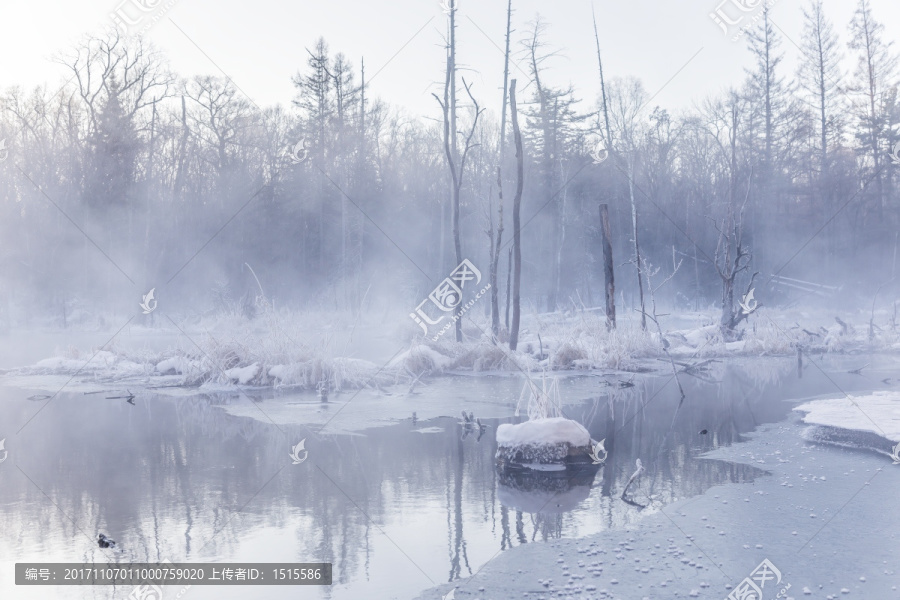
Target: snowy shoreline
x,y
819,518
878,413
267,353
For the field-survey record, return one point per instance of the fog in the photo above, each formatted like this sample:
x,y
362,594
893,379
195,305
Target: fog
x,y
164,234
132,177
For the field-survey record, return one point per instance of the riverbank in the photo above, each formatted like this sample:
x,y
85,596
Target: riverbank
x,y
823,518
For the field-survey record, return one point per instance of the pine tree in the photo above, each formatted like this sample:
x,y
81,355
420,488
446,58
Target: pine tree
x,y
874,77
113,149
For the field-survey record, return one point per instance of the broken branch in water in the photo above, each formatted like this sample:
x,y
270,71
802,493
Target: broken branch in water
x,y
845,329
635,475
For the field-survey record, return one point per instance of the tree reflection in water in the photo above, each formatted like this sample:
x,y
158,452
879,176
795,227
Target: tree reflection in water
x,y
181,479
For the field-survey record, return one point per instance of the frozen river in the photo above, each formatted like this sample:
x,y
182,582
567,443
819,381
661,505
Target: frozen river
x,y
398,506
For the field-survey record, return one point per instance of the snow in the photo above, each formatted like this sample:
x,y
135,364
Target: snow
x,y
557,430
242,375
429,430
281,372
699,336
736,346
58,363
878,412
177,364
705,545
422,358
104,363
297,349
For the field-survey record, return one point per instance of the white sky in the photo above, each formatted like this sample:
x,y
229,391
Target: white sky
x,y
261,44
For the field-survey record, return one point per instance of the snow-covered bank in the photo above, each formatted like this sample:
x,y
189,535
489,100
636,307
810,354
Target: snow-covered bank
x,y
878,413
287,349
820,519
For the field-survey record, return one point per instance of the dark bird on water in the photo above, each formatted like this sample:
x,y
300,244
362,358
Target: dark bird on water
x,y
703,432
105,542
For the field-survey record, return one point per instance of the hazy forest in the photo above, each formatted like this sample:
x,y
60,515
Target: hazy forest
x,y
338,200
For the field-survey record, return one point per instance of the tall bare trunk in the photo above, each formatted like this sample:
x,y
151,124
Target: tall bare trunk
x,y
505,81
608,274
508,283
495,259
602,84
637,246
451,74
517,233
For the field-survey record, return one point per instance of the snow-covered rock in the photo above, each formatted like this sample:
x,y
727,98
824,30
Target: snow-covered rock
x,y
542,444
556,430
243,375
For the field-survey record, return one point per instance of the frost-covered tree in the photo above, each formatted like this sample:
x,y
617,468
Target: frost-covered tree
x,y
874,78
552,130
820,78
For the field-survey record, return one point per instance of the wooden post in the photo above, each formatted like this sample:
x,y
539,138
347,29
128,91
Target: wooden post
x,y
610,284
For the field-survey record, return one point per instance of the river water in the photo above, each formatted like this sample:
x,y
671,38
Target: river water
x,y
397,506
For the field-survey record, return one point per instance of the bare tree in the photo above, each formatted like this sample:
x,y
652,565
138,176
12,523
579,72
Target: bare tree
x,y
140,73
457,171
505,81
731,259
495,241
517,222
602,84
627,98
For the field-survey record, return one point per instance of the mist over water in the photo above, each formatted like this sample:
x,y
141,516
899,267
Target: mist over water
x,y
290,331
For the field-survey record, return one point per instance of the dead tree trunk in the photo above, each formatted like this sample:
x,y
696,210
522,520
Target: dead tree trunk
x,y
608,274
731,258
456,170
495,260
508,281
517,228
505,81
637,246
602,83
